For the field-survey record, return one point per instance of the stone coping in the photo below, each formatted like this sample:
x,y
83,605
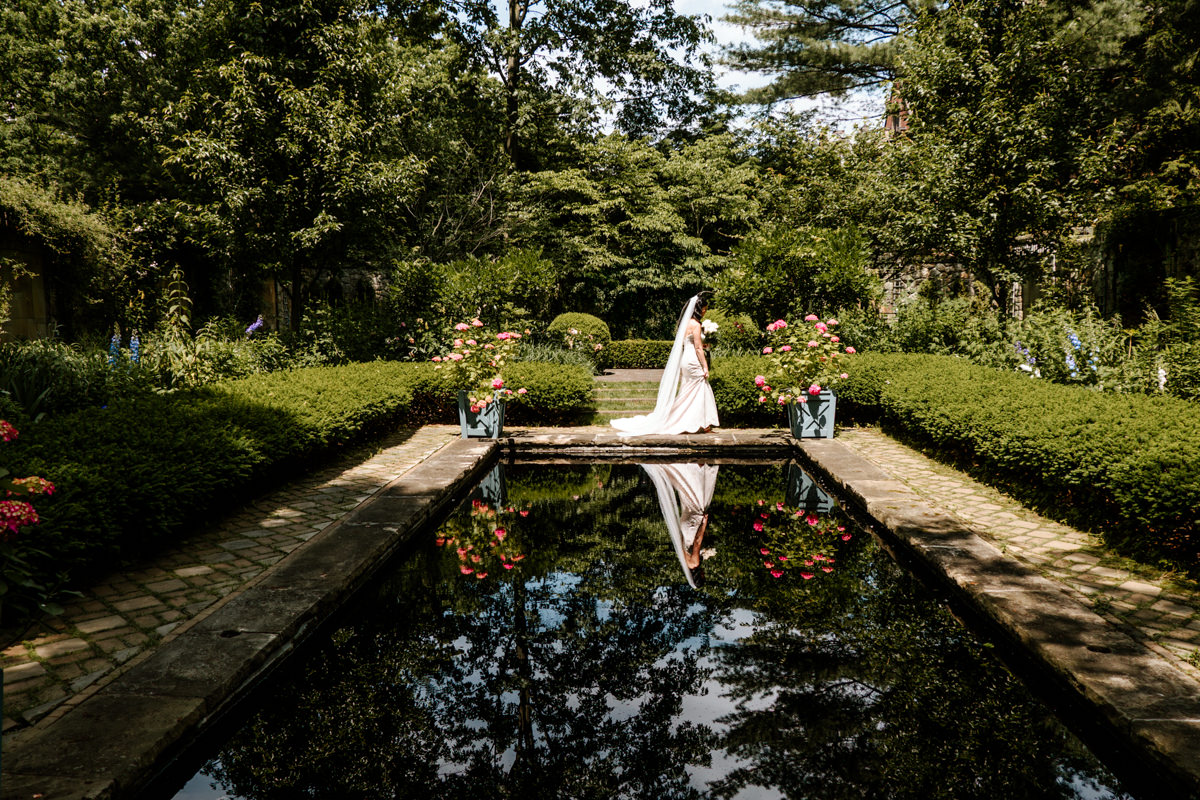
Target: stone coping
x,y
114,742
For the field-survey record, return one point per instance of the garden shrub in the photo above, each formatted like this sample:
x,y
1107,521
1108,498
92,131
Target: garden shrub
x,y
1124,466
556,393
48,376
553,354
732,381
591,334
135,475
635,354
735,332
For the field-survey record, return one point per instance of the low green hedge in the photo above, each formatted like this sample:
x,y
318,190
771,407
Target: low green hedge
x,y
635,354
134,474
1125,466
732,381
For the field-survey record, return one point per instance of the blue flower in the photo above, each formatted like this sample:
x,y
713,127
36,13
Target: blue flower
x,y
114,349
1074,340
255,326
135,348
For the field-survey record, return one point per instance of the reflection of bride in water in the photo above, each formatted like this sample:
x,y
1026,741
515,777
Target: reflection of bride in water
x,y
684,492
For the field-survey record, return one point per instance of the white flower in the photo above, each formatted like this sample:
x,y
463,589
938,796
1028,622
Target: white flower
x,y
708,552
708,326
1162,379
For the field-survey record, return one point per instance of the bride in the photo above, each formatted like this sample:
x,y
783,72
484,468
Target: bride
x,y
685,401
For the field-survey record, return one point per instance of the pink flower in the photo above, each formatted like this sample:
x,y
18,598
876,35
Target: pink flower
x,y
7,431
845,537
598,348
812,344
843,376
480,574
502,336
501,533
780,324
475,323
508,566
465,570
462,326
767,351
522,390
497,383
758,526
762,399
771,327
851,350
821,326
14,515
833,322
458,342
437,358
779,506
811,318
802,399
787,348
767,389
455,357
764,551
472,342
524,512
489,347
775,573
814,389
806,575
834,339
783,558
782,399
474,409
760,380
768,564
812,519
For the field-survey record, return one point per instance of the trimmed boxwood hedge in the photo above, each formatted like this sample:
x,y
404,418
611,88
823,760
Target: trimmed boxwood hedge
x,y
133,475
732,381
635,354
1124,466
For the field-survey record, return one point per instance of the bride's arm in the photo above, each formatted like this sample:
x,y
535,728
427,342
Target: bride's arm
x,y
698,341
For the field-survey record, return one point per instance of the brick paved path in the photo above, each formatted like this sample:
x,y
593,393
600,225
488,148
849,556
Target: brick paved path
x,y
1144,602
67,658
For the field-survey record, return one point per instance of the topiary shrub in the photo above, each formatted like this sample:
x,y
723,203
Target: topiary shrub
x,y
582,332
635,354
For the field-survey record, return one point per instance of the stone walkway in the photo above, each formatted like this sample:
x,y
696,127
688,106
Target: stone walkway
x,y
1146,603
68,658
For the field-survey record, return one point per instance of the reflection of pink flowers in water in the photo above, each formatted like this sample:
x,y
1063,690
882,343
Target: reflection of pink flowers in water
x,y
806,575
764,551
758,526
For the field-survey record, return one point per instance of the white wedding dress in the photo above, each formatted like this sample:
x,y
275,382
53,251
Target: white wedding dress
x,y
685,402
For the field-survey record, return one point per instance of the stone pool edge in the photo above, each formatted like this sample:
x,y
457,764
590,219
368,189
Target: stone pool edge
x,y
1151,704
117,741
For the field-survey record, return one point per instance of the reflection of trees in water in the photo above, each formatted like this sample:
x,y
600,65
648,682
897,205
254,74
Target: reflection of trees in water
x,y
887,697
566,678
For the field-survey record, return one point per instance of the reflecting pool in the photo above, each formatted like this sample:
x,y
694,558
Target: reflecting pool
x,y
649,631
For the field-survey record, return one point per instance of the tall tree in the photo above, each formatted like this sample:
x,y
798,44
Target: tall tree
x,y
640,62
815,47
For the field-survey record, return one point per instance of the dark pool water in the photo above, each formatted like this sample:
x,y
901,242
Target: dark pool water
x,y
680,631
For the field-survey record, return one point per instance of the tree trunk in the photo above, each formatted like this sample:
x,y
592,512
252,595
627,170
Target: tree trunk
x,y
297,296
512,84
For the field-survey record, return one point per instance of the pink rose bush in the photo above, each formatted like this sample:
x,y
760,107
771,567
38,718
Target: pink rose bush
x,y
804,359
17,577
476,365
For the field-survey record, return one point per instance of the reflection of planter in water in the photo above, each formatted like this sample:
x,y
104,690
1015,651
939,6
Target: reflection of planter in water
x,y
493,488
487,423
803,492
813,419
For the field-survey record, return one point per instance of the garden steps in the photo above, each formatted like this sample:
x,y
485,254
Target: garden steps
x,y
624,393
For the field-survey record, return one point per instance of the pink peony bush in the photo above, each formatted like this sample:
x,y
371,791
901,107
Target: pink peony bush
x,y
475,364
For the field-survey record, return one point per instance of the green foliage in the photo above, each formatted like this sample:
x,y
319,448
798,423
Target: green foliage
x,y
962,326
557,393
819,48
636,354
48,376
1123,466
553,354
583,333
786,271
508,292
735,332
732,381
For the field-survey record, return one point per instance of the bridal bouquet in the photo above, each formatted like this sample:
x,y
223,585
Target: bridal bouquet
x,y
803,360
476,362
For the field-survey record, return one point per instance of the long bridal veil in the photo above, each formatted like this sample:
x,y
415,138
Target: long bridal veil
x,y
684,492
668,387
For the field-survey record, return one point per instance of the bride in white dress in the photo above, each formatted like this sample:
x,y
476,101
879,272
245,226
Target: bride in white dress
x,y
685,401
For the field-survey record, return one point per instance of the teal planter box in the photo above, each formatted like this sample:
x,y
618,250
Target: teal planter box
x,y
484,424
814,419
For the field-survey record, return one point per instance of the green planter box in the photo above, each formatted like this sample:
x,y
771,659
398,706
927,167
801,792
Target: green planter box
x,y
484,424
814,419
